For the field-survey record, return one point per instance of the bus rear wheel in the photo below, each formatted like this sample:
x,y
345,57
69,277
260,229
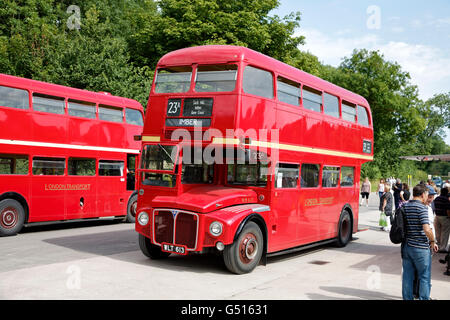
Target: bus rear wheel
x,y
345,229
244,254
150,250
12,217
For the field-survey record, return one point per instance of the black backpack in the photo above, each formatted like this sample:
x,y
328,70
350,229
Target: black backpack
x,y
398,228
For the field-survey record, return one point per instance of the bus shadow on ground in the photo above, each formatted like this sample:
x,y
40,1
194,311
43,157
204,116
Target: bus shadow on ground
x,y
66,225
123,246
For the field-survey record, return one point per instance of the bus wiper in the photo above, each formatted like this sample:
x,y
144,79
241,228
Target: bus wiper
x,y
165,151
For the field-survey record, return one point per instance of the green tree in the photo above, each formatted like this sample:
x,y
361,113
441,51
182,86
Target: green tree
x,y
185,23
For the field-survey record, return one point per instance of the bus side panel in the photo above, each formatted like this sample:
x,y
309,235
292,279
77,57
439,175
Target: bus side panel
x,y
15,124
81,197
48,198
48,127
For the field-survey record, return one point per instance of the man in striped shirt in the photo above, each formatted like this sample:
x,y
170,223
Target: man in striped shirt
x,y
416,254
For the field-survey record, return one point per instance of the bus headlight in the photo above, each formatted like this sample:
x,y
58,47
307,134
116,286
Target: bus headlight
x,y
215,228
143,218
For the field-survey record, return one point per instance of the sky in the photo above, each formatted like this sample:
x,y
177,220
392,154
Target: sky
x,y
415,34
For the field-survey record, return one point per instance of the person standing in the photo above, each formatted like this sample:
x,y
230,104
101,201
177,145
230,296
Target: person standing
x,y
386,207
405,195
397,187
416,254
442,222
381,188
366,187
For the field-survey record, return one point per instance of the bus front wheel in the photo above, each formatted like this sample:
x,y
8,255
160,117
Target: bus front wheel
x,y
12,217
150,250
131,209
244,254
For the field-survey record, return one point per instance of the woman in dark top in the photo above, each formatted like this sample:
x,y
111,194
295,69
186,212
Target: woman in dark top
x,y
404,194
386,205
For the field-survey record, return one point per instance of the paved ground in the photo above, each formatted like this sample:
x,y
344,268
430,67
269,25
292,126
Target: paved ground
x,y
101,260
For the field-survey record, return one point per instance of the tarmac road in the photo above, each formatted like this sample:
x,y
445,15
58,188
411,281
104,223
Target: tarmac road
x,y
102,260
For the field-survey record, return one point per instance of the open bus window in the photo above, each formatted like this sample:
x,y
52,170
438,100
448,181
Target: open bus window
x,y
173,80
48,166
134,117
14,98
109,113
216,78
347,176
286,176
81,167
288,91
312,99
310,175
158,157
110,168
159,179
48,104
348,111
13,164
82,109
330,177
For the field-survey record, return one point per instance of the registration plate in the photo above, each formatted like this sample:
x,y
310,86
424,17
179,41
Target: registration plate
x,y
173,248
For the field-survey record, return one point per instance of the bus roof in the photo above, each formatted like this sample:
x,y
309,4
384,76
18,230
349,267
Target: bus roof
x,y
72,93
210,54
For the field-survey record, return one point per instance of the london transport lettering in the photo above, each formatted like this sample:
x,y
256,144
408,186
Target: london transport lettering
x,y
67,187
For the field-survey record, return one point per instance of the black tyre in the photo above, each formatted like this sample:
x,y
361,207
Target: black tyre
x,y
131,209
12,217
243,255
345,229
150,250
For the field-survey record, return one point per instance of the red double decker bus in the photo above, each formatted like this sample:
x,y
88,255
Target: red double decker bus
x,y
249,156
65,154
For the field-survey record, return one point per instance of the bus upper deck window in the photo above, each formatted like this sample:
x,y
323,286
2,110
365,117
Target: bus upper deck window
x,y
50,104
348,111
312,99
216,78
363,118
258,82
14,98
173,80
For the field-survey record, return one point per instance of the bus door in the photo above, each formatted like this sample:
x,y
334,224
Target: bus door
x,y
48,189
81,188
111,188
309,204
331,202
285,205
131,172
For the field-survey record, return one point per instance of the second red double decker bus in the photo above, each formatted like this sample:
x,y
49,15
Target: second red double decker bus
x,y
65,154
248,156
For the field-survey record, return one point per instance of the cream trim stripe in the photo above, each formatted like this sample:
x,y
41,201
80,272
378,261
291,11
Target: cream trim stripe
x,y
151,138
289,147
65,146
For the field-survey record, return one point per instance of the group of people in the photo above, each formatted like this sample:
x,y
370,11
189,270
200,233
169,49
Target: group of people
x,y
427,223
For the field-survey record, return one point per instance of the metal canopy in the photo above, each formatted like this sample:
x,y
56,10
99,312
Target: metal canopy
x,y
442,157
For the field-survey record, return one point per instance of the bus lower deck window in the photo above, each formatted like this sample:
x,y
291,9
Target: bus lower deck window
x,y
13,164
48,166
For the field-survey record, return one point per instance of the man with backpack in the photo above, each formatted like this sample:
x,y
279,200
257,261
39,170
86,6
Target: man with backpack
x,y
417,243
